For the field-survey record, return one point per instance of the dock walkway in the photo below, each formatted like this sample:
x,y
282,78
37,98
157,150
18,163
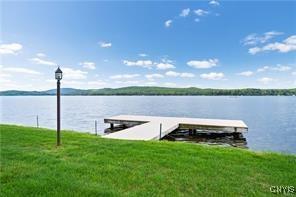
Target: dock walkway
x,y
155,127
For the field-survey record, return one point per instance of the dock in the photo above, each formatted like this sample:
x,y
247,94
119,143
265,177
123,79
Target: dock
x,y
156,127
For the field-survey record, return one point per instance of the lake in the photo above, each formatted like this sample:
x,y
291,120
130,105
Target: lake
x,y
271,120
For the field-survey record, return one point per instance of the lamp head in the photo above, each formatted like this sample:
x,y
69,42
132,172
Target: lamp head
x,y
58,74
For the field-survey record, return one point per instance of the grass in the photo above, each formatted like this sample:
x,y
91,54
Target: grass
x,y
87,165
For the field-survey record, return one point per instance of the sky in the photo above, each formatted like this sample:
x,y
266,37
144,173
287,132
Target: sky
x,y
99,44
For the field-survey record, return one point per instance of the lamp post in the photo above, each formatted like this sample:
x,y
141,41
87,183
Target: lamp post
x,y
58,76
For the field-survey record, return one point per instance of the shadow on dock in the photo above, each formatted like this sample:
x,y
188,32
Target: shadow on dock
x,y
224,139
187,135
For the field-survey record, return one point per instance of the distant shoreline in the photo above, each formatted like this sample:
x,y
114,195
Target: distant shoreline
x,y
155,91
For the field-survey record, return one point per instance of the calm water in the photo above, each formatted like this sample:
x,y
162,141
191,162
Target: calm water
x,y
271,120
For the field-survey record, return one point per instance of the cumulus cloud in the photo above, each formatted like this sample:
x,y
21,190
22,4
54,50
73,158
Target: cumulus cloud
x,y
70,73
124,76
105,44
212,76
203,63
127,82
88,65
153,76
151,83
177,74
200,12
185,12
40,55
246,73
170,84
253,39
140,63
96,83
197,20
266,80
164,66
285,46
12,48
20,70
40,61
142,54
215,3
279,68
168,23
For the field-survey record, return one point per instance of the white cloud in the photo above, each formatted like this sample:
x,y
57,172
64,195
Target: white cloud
x,y
212,76
124,76
203,63
96,83
5,75
197,20
253,39
169,84
153,76
200,12
254,50
189,75
4,81
70,73
294,73
12,48
164,66
185,12
139,63
285,46
20,70
177,74
264,68
88,65
127,82
40,55
151,83
246,73
266,80
105,44
279,68
37,60
172,74
168,23
73,83
214,2
142,54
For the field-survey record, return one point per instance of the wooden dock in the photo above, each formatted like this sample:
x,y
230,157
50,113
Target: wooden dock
x,y
155,127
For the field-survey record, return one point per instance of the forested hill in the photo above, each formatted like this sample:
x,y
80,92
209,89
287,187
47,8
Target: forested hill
x,y
137,90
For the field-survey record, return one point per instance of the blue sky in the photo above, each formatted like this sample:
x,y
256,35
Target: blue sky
x,y
216,44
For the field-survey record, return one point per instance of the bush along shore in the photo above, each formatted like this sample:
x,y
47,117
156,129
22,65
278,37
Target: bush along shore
x,y
88,165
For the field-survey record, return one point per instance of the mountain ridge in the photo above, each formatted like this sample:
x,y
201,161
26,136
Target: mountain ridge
x,y
154,91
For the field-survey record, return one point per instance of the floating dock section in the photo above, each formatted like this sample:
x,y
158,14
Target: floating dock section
x,y
155,127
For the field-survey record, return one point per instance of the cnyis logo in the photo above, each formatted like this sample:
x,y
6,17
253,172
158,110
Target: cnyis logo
x,y
286,189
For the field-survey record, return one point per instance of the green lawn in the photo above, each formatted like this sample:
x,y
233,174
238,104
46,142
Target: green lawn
x,y
87,165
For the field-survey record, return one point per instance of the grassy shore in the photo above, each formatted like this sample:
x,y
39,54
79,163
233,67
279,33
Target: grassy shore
x,y
87,165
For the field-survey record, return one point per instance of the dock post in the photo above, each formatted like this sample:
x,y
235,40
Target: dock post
x,y
160,129
236,134
96,127
111,126
37,121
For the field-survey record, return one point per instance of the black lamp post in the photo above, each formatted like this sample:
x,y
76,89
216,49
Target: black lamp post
x,y
58,76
